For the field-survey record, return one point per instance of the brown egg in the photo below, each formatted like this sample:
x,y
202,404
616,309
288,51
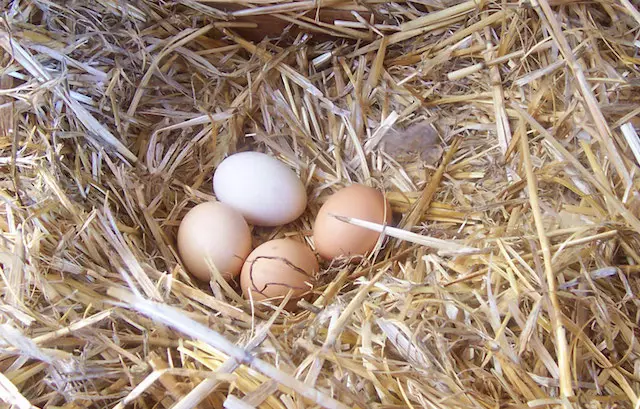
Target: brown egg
x,y
334,238
277,266
214,231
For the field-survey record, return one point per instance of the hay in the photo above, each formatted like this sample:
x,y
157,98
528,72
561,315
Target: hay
x,y
508,280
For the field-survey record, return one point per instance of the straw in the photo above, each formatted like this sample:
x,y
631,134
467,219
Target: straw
x,y
504,137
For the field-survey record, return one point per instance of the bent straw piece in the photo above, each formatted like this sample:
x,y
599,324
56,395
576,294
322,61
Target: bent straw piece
x,y
445,245
423,203
174,318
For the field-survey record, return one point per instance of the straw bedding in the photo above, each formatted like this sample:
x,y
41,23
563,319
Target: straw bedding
x,y
502,132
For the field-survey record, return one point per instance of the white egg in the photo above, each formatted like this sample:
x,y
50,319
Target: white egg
x,y
263,189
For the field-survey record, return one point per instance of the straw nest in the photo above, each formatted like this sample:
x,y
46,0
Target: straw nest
x,y
503,134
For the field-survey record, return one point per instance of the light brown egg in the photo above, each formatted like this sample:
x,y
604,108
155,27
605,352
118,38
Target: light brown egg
x,y
213,230
334,238
277,266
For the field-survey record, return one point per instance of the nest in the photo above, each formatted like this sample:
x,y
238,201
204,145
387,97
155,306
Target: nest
x,y
504,135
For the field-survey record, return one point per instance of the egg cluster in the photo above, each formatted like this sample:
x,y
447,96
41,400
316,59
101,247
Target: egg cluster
x,y
257,189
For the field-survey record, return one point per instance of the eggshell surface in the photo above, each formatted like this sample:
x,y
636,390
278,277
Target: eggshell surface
x,y
266,191
216,231
277,266
334,238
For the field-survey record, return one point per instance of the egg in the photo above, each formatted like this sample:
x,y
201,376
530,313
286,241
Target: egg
x,y
214,231
266,191
277,266
334,238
